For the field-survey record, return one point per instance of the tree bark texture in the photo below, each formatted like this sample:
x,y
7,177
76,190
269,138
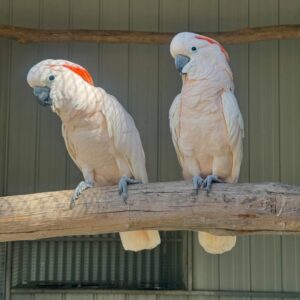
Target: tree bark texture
x,y
241,36
230,209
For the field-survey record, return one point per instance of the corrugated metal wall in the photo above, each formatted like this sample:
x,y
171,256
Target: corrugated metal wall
x,y
33,156
99,262
2,269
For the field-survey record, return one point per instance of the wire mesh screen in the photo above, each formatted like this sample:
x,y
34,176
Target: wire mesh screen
x,y
2,269
100,262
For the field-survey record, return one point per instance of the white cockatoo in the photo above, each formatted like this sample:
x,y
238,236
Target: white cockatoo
x,y
99,134
205,121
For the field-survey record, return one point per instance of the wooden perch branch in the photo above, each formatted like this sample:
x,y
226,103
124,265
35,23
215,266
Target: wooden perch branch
x,y
229,209
242,36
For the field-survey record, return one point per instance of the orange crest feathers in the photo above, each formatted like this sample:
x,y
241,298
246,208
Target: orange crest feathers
x,y
82,72
212,41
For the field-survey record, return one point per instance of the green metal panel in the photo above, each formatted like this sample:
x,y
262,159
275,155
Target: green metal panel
x,y
114,76
172,297
5,58
235,267
203,298
291,263
23,297
141,297
50,297
203,15
52,166
289,136
98,261
263,97
79,297
173,16
289,97
110,297
205,268
236,298
143,82
22,114
266,263
51,153
2,270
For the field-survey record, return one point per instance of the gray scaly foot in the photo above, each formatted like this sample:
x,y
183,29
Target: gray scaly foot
x,y
79,189
123,186
209,180
197,182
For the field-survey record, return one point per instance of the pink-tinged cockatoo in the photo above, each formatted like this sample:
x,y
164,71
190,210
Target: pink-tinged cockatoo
x,y
205,121
99,134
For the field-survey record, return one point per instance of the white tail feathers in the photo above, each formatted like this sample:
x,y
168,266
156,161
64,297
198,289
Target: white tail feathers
x,y
140,240
216,244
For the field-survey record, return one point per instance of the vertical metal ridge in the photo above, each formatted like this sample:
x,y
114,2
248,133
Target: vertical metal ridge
x,y
98,261
8,106
3,269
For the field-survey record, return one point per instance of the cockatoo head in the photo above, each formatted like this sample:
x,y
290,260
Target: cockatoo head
x,y
52,79
193,52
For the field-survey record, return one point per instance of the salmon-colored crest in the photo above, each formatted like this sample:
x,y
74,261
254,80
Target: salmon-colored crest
x,y
83,73
212,41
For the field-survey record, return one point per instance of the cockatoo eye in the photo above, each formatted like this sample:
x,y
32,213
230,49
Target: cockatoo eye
x,y
194,49
51,77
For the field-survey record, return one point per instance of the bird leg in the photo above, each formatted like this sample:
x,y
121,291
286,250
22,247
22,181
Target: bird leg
x,y
208,181
82,186
197,182
123,186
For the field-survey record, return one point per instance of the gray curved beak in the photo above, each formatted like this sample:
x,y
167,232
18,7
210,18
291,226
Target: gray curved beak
x,y
181,61
43,95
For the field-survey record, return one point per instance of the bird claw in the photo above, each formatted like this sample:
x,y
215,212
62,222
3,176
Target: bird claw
x,y
82,186
123,186
197,182
208,181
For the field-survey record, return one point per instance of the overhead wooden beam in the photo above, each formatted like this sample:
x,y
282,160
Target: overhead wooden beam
x,y
229,209
242,36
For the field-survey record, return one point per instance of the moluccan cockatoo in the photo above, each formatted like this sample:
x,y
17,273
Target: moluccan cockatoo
x,y
99,134
205,121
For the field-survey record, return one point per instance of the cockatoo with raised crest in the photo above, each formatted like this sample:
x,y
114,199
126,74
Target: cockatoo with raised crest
x,y
205,121
99,134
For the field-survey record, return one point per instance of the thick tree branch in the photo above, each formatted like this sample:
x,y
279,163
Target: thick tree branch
x,y
229,209
242,36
